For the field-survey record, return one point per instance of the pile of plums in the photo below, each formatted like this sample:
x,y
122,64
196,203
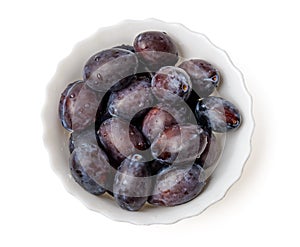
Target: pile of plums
x,y
141,128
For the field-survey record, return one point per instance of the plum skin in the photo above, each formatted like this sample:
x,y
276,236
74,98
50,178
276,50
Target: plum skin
x,y
171,85
177,185
131,184
220,114
120,139
90,168
107,67
156,121
125,103
204,76
155,49
179,144
78,106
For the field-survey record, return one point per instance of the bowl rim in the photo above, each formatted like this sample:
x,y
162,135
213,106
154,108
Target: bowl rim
x,y
132,220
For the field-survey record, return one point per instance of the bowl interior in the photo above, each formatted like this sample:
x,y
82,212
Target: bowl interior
x,y
191,45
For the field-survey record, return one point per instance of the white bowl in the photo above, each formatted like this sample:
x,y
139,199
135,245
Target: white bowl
x,y
191,45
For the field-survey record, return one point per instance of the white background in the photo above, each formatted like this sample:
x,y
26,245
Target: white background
x,y
261,209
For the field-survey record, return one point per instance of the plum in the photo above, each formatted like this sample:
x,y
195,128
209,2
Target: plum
x,y
132,184
177,185
155,49
109,66
220,114
128,101
204,76
171,85
78,106
120,139
179,144
90,168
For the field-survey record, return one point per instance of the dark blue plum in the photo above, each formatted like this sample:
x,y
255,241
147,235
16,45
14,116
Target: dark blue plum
x,y
177,185
221,115
132,184
82,137
204,76
90,168
107,67
127,102
179,144
155,49
171,85
120,139
156,121
78,106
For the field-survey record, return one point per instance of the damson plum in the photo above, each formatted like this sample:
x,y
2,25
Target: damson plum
x,y
90,168
156,121
171,85
135,97
120,139
221,115
162,116
177,185
107,67
179,144
103,108
78,106
155,49
132,184
78,138
204,76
